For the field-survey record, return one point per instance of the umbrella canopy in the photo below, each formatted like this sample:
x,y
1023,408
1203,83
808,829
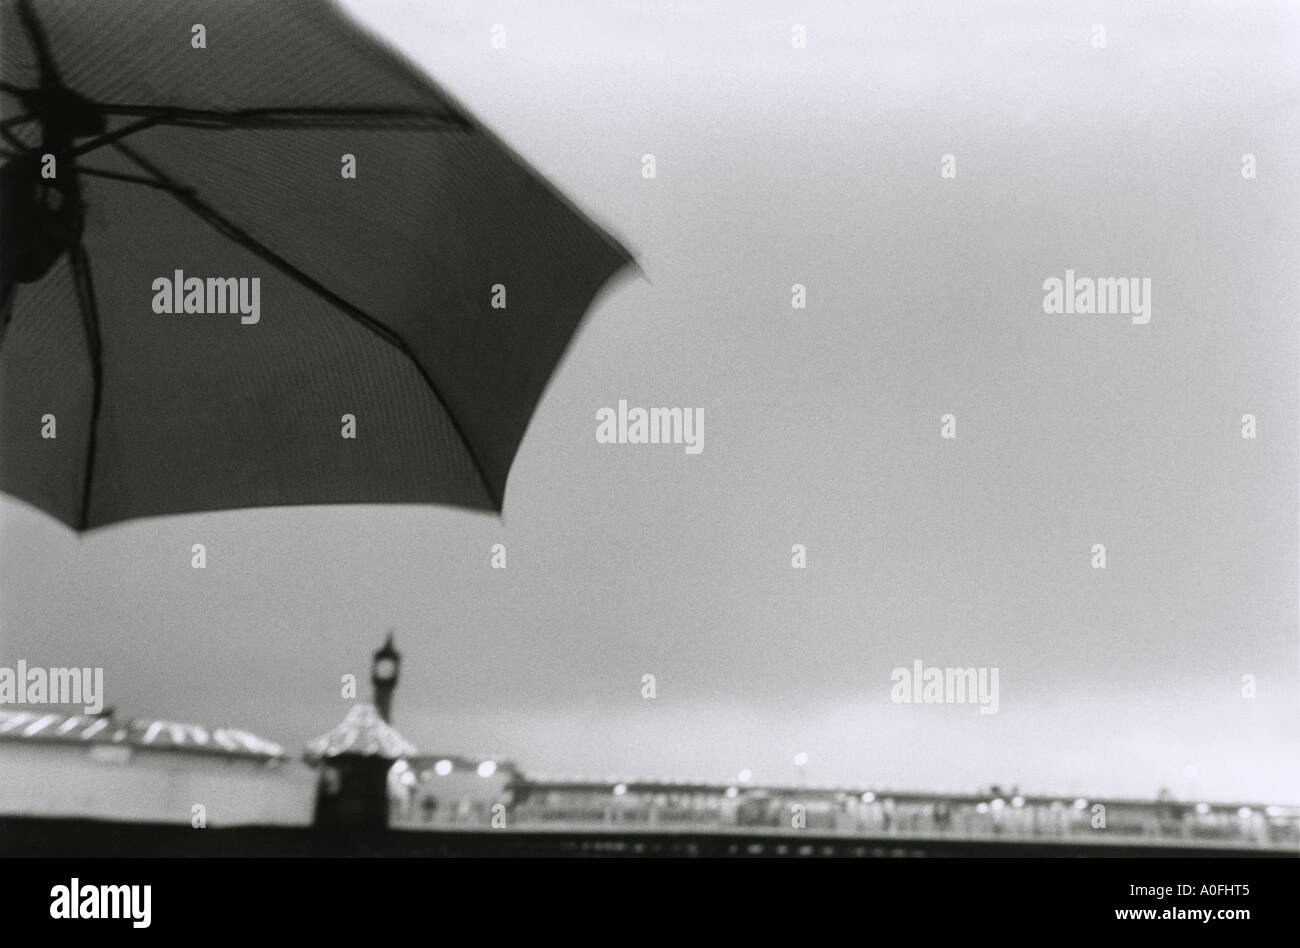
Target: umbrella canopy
x,y
252,257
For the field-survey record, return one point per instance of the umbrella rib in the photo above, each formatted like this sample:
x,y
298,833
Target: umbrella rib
x,y
215,219
120,176
151,116
85,288
36,35
114,136
357,117
257,118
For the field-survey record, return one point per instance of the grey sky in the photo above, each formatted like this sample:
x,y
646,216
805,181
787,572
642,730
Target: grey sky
x,y
817,166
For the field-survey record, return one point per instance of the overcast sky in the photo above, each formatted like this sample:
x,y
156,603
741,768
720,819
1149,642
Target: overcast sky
x,y
817,166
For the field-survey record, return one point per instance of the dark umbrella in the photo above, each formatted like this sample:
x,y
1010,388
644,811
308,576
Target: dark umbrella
x,y
377,307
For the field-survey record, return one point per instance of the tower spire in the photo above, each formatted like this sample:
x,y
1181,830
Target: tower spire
x,y
384,672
